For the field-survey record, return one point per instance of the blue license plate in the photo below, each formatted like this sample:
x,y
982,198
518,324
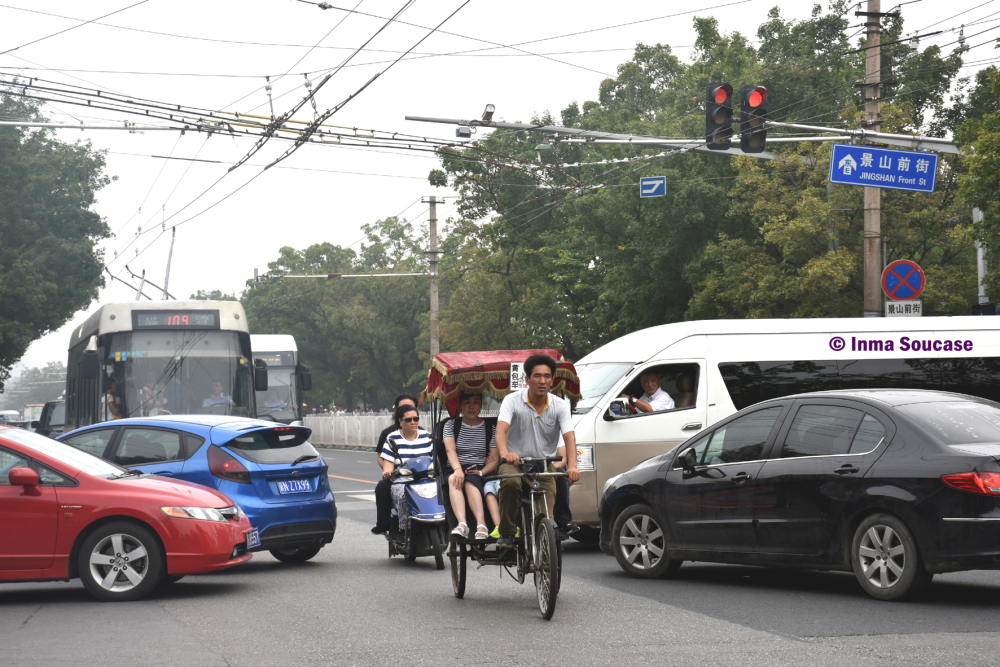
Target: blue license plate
x,y
293,486
253,538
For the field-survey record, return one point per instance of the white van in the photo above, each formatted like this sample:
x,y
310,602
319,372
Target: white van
x,y
714,368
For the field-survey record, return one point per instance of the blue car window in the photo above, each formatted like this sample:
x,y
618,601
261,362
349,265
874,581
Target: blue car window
x,y
92,442
140,445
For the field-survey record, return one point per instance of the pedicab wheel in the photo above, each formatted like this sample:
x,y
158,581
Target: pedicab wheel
x,y
458,566
546,567
434,536
559,550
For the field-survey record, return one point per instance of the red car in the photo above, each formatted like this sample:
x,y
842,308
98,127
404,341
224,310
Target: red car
x,y
65,513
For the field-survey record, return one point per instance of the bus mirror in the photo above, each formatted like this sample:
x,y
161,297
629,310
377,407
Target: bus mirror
x,y
259,375
306,377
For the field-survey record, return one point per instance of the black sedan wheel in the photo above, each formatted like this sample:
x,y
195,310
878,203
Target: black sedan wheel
x,y
885,558
639,542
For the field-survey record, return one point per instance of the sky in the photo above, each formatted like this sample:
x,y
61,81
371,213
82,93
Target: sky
x,y
215,55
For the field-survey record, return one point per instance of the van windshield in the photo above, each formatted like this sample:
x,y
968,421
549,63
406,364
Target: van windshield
x,y
596,380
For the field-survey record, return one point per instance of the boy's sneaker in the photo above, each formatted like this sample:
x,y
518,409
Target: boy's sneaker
x,y
506,542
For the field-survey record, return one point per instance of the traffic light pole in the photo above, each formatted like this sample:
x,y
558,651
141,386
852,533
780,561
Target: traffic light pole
x,y
873,196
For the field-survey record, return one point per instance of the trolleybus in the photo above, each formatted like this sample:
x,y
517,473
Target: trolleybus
x,y
286,378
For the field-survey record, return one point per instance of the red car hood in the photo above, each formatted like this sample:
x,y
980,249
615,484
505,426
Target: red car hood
x,y
175,492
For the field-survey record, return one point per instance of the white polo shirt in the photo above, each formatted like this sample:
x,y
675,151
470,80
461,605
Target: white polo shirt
x,y
660,400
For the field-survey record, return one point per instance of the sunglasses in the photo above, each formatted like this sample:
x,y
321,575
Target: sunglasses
x,y
410,420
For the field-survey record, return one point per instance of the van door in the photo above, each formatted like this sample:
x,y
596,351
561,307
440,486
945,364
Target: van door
x,y
625,441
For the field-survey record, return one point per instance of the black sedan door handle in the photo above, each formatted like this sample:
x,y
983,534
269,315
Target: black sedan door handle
x,y
741,477
846,469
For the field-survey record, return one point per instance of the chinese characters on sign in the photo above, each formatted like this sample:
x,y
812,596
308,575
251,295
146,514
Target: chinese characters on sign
x,y
517,379
874,167
912,308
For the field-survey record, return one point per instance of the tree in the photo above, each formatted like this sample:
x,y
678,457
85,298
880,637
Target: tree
x,y
50,266
213,295
362,338
979,136
35,385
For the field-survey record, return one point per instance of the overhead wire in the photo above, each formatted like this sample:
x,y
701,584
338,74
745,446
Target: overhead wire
x,y
56,34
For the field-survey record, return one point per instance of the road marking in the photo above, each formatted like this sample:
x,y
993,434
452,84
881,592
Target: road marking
x,y
352,479
370,497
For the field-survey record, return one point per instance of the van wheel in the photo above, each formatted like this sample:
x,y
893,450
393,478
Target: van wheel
x,y
120,561
886,560
639,541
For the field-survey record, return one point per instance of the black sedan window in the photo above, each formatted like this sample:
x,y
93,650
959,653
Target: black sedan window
x,y
957,423
821,430
742,439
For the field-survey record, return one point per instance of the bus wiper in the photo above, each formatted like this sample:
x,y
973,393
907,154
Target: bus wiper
x,y
305,457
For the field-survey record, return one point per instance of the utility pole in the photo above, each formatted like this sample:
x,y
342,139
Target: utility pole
x,y
432,224
977,217
873,196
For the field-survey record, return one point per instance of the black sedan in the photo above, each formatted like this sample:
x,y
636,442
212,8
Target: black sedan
x,y
894,485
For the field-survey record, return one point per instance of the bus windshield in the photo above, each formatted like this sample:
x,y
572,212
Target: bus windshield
x,y
280,399
149,373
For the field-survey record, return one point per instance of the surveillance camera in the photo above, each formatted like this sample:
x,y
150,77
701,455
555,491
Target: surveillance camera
x,y
463,133
488,113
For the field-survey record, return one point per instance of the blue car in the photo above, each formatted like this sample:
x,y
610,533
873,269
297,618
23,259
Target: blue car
x,y
270,470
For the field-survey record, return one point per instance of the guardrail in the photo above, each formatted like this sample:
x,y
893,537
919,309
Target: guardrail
x,y
350,430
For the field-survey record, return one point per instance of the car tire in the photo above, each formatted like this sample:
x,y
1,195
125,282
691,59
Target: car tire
x,y
886,560
111,566
640,542
299,555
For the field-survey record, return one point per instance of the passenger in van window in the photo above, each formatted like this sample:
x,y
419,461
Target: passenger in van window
x,y
684,398
655,399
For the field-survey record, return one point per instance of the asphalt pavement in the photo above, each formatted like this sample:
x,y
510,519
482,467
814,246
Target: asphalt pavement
x,y
352,605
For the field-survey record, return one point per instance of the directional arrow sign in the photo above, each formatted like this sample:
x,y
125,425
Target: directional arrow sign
x,y
653,186
888,168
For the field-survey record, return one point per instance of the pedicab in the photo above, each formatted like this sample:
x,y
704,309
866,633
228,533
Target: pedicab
x,y
536,550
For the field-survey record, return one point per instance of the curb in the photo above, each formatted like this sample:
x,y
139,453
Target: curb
x,y
352,448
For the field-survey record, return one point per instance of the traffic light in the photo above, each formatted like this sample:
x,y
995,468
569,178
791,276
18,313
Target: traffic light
x,y
753,115
719,116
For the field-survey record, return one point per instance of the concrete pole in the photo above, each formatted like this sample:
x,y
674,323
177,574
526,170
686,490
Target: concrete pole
x,y
977,216
873,196
435,340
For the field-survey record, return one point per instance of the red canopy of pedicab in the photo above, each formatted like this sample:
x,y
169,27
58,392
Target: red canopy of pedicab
x,y
489,373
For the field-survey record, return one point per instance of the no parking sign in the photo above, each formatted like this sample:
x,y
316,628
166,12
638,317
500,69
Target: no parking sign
x,y
903,280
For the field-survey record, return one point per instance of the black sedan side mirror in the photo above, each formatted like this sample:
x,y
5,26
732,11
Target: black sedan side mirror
x,y
688,460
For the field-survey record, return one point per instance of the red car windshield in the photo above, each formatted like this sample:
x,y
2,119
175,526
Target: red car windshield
x,y
71,456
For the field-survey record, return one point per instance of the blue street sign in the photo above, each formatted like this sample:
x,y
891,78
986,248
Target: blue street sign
x,y
887,168
653,186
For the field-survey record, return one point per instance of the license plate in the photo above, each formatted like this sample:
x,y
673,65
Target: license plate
x,y
253,538
294,486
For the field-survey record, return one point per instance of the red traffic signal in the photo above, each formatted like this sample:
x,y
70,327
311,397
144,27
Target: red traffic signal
x,y
753,119
719,116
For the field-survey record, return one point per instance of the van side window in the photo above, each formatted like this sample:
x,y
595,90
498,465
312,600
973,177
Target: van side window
x,y
677,382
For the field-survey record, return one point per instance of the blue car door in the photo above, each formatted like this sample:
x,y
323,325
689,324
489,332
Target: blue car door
x,y
159,451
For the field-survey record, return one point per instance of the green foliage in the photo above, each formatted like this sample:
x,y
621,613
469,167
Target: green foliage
x,y
213,295
362,338
49,264
566,255
980,138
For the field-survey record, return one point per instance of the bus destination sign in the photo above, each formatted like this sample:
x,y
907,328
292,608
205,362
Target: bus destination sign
x,y
175,319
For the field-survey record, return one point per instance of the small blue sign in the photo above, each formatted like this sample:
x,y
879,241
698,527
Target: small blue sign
x,y
653,186
886,168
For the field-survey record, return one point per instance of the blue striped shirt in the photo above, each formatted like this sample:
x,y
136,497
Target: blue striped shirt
x,y
422,445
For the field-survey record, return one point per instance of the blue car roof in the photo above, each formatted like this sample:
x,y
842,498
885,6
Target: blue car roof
x,y
221,427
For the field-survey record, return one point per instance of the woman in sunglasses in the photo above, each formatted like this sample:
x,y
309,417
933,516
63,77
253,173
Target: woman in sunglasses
x,y
401,445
